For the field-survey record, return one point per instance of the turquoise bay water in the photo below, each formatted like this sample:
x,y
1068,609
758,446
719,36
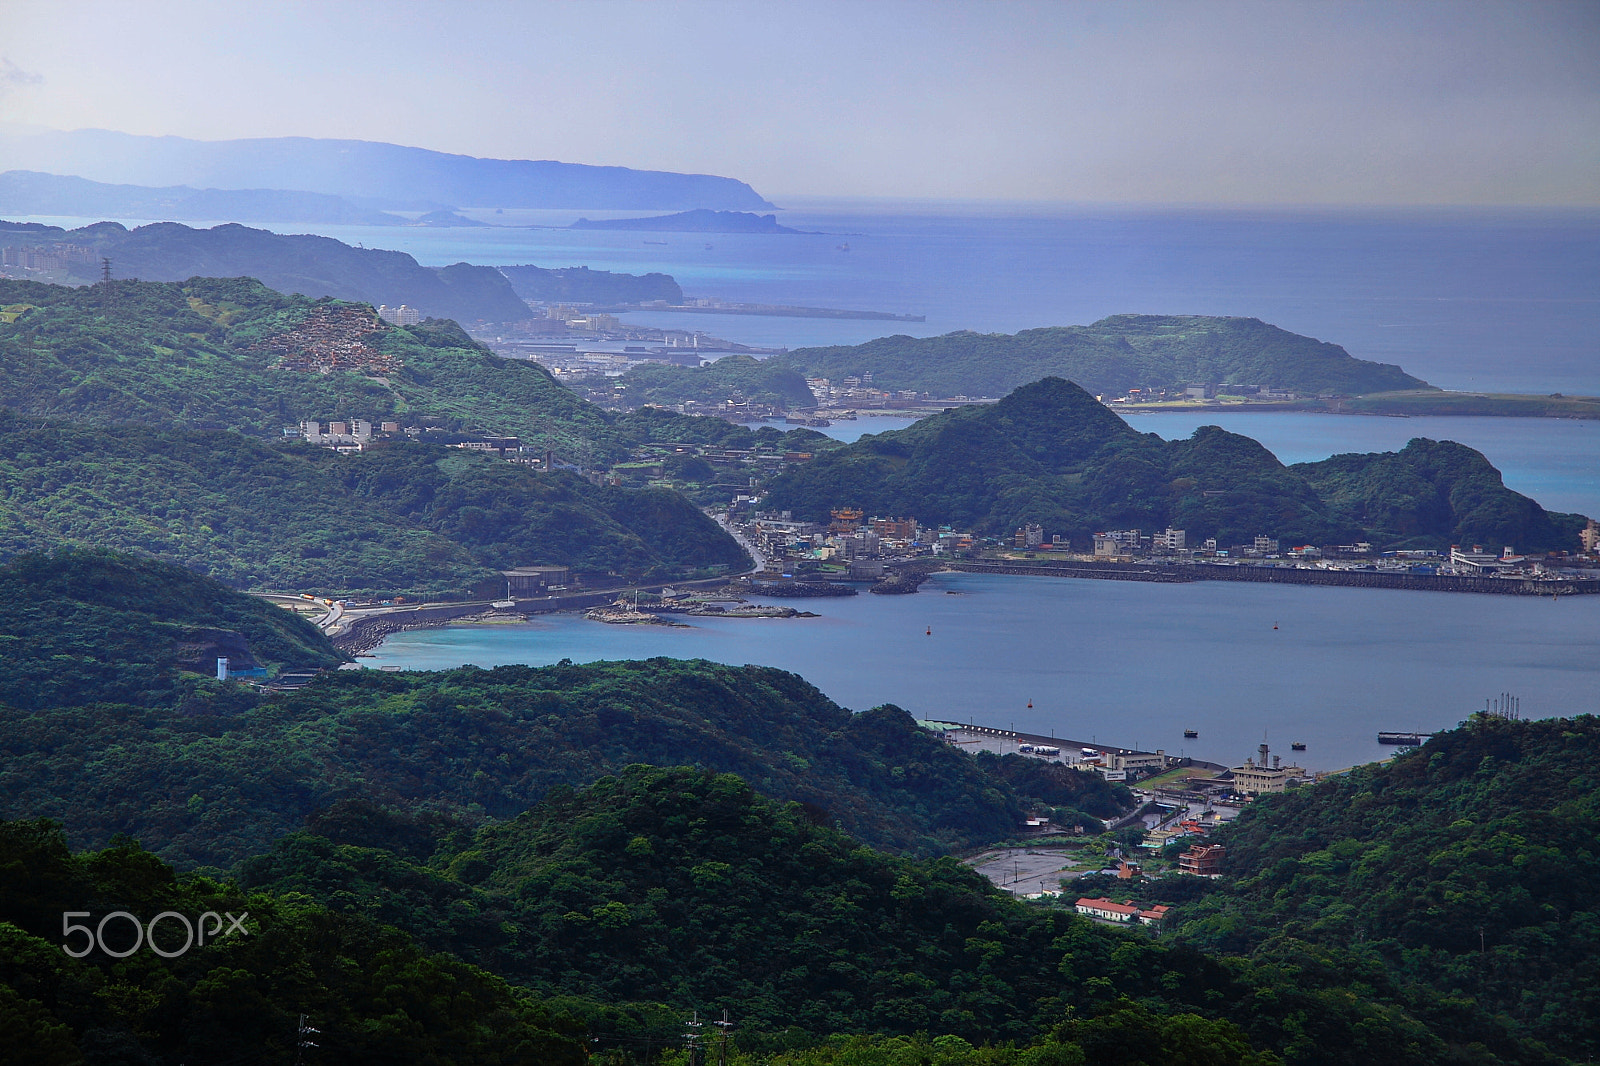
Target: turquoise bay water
x,y
1125,663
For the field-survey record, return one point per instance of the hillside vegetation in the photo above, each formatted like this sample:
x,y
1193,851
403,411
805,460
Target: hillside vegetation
x,y
738,376
217,786
85,626
1050,453
1470,866
1109,357
687,887
412,518
370,992
229,353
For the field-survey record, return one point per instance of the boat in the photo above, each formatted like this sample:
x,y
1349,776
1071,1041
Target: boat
x,y
508,601
662,243
1298,745
1190,734
1409,739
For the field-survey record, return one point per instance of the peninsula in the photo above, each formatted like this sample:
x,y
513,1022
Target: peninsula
x,y
697,221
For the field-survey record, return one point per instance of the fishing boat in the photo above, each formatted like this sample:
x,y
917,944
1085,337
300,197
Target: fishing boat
x,y
1190,734
1298,745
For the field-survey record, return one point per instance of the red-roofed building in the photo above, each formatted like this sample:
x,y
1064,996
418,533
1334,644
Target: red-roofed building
x,y
1111,911
1106,910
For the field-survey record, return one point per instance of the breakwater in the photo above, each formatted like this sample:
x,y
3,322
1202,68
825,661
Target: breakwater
x,y
1285,575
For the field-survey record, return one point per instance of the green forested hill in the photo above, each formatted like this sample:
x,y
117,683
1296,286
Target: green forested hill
x,y
1470,866
216,787
1110,356
1050,453
224,353
370,992
687,887
229,353
410,518
756,380
87,626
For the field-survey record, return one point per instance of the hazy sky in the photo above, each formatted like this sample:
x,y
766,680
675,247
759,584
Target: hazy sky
x,y
1226,102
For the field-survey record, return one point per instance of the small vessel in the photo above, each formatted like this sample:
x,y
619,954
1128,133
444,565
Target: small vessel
x,y
1298,745
508,601
662,243
1190,734
842,247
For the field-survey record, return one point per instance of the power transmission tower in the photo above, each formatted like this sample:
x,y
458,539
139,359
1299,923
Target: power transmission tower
x,y
105,284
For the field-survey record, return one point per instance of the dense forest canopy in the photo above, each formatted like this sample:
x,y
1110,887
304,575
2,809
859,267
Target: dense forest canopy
x,y
1109,357
86,626
1049,453
229,353
1470,866
411,518
740,377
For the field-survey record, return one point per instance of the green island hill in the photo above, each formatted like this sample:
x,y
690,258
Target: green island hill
x,y
1050,453
518,866
1108,358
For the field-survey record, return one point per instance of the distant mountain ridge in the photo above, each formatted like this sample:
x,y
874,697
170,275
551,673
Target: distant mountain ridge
x,y
29,192
379,174
299,263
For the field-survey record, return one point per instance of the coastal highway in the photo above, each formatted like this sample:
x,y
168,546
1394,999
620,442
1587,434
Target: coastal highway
x,y
728,528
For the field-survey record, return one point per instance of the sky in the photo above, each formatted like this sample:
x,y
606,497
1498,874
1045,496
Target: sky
x,y
1133,102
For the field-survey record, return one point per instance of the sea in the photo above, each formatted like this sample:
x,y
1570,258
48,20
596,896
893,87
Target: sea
x,y
1124,663
1474,299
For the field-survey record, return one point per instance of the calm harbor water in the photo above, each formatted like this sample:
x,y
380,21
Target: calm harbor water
x,y
1124,663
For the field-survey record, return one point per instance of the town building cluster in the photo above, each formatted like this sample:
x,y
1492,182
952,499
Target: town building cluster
x,y
329,339
404,315
46,258
1212,392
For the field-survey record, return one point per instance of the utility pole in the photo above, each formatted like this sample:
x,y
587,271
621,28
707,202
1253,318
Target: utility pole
x,y
304,1032
692,1040
725,1026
